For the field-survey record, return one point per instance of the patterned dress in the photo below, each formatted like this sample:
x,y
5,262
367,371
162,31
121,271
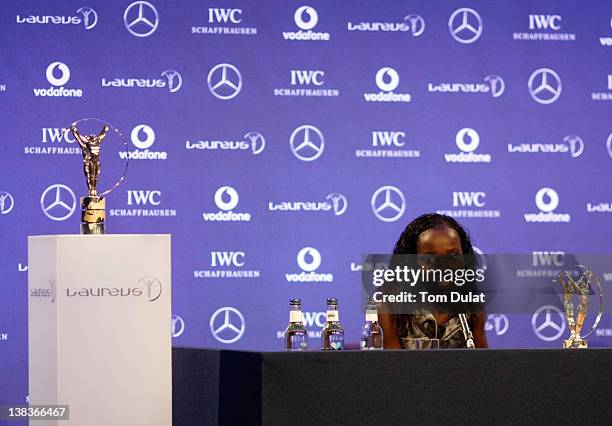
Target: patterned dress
x,y
424,324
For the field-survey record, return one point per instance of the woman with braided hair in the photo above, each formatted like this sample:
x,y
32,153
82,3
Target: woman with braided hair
x,y
441,236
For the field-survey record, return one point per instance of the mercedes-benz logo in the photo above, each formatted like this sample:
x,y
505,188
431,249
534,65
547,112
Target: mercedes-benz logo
x,y
544,86
141,18
388,203
177,326
543,204
224,81
58,202
548,323
309,259
307,142
465,25
175,81
257,142
90,17
497,323
339,203
223,193
417,24
62,68
6,202
227,325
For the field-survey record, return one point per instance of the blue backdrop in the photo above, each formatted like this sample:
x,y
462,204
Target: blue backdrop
x,y
279,141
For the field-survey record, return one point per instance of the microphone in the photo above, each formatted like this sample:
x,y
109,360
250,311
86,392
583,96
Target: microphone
x,y
467,333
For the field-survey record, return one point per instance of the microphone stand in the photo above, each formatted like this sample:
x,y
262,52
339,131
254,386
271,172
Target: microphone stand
x,y
467,333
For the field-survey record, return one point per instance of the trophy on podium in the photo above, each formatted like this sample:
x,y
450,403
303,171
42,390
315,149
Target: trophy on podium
x,y
93,205
578,281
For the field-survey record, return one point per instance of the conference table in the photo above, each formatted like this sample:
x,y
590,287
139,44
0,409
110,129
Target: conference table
x,y
394,387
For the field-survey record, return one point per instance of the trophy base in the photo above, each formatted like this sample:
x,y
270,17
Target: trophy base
x,y
574,344
92,228
92,215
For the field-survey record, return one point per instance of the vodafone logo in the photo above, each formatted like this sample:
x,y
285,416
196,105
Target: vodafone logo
x,y
467,140
311,15
387,79
58,75
306,19
547,199
142,136
309,259
58,68
226,198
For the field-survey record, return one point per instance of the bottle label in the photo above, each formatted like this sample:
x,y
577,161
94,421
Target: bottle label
x,y
336,345
333,316
297,343
372,315
295,316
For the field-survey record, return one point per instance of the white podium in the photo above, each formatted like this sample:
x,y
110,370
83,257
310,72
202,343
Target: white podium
x,y
99,328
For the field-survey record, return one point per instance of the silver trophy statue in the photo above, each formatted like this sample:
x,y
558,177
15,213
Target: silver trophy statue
x,y
93,206
578,281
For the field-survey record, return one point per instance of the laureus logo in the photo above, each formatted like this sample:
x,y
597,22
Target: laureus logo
x,y
492,84
148,287
571,144
254,142
413,24
338,202
170,79
84,15
6,202
576,145
152,287
177,326
47,292
335,203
